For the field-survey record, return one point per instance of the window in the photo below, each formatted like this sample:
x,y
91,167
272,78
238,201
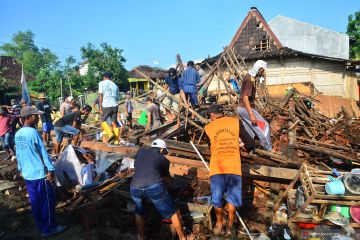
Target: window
x,y
262,46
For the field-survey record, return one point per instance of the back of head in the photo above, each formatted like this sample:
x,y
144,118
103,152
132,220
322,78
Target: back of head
x,y
87,108
149,99
216,109
190,64
107,75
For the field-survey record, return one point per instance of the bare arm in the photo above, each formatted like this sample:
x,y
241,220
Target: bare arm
x,y
148,122
100,102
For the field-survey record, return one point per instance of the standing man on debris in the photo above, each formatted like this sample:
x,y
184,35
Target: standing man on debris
x,y
108,104
153,115
172,84
189,84
46,120
128,109
151,167
37,169
225,166
254,123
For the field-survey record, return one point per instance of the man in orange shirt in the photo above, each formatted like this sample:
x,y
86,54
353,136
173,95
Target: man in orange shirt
x,y
225,165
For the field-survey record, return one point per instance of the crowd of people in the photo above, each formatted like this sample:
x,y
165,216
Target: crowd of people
x,y
226,136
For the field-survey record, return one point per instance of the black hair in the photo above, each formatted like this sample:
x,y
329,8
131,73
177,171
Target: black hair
x,y
190,63
87,108
172,71
149,99
76,105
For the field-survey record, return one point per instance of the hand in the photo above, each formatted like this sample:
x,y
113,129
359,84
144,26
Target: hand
x,y
147,128
50,176
127,114
253,120
100,111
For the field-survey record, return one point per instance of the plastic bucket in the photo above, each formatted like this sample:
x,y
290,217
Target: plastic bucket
x,y
335,187
343,210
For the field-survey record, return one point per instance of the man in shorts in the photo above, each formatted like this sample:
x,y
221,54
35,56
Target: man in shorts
x,y
70,124
151,168
128,109
108,105
46,120
225,166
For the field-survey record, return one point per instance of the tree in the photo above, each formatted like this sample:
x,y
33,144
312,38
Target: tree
x,y
41,66
353,30
106,59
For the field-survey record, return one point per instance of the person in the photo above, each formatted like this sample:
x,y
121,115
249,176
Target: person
x,y
46,120
225,166
254,123
108,102
37,169
153,115
67,106
172,85
151,169
128,109
188,84
6,134
69,124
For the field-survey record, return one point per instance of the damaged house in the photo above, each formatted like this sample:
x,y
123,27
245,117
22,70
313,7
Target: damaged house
x,y
298,54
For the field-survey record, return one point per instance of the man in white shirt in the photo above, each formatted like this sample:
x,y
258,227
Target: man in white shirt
x,y
108,105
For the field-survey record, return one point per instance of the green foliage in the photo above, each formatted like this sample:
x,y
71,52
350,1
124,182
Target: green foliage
x,y
353,30
45,74
105,59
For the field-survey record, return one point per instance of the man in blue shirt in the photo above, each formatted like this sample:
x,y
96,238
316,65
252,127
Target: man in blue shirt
x,y
188,84
37,169
108,104
172,84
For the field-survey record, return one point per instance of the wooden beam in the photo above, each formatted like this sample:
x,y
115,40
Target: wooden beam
x,y
130,151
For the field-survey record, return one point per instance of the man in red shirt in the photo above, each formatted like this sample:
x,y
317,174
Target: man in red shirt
x,y
6,136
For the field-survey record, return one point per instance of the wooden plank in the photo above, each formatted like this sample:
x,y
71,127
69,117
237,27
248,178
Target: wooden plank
x,y
130,151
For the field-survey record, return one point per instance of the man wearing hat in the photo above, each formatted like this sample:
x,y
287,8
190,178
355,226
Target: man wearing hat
x,y
151,167
37,169
108,105
225,165
254,123
44,106
172,85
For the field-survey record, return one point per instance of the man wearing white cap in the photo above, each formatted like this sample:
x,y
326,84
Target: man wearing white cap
x,y
151,167
67,105
253,122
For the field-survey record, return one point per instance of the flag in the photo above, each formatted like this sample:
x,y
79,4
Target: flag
x,y
24,89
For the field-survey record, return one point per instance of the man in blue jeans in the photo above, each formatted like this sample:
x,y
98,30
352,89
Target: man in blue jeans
x,y
188,84
151,167
37,169
70,124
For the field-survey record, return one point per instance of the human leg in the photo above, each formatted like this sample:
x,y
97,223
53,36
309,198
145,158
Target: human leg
x,y
42,201
162,201
217,186
137,197
233,197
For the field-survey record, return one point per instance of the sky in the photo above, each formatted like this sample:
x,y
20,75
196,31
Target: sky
x,y
151,31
